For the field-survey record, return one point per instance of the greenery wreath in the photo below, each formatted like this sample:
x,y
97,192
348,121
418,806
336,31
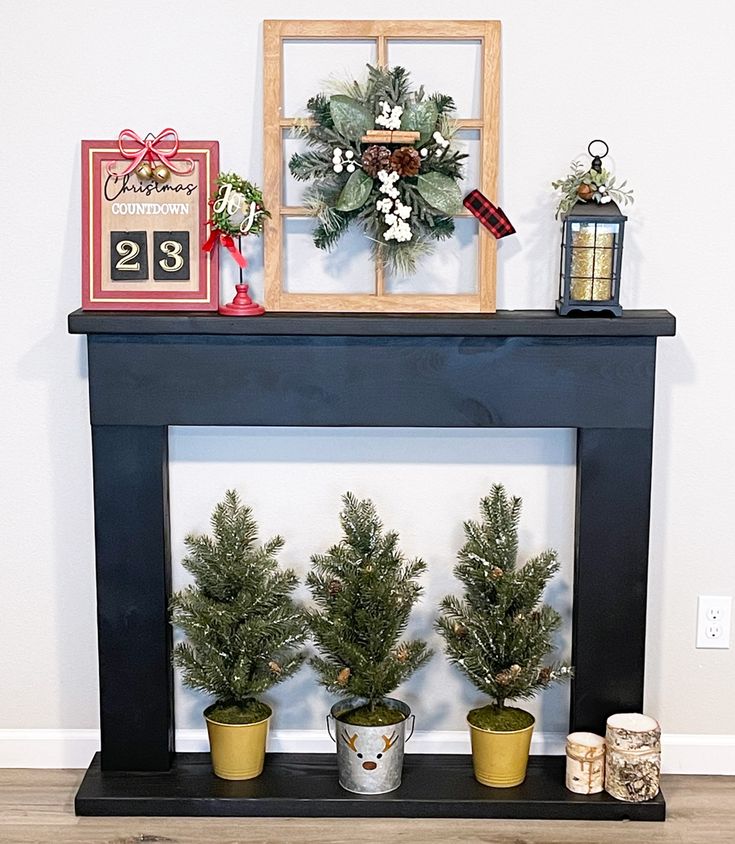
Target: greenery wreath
x,y
380,154
237,206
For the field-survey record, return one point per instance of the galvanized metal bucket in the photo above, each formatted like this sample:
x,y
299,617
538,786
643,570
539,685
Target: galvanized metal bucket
x,y
369,759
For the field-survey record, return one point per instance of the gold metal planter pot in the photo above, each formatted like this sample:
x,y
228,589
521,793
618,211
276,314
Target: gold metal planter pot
x,y
500,759
238,750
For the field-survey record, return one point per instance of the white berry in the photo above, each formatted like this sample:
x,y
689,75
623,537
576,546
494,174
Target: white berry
x,y
338,168
349,154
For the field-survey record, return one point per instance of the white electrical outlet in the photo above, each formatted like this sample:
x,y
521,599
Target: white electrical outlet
x,y
713,621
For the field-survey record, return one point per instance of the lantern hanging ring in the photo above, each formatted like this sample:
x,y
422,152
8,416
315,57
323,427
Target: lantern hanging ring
x,y
597,159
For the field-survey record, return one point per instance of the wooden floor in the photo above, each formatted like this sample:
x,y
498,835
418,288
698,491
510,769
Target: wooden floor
x,y
37,806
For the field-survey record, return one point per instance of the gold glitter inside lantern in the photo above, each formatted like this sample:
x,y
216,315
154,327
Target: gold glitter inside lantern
x,y
593,247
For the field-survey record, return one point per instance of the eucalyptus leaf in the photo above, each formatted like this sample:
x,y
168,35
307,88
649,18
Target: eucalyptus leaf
x,y
441,192
351,118
420,117
355,192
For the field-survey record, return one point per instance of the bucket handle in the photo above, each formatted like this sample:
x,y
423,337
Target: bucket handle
x,y
413,727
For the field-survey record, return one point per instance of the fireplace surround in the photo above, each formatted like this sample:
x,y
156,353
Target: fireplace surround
x,y
513,369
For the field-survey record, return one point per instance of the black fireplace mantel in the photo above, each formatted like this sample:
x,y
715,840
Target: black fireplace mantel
x,y
513,369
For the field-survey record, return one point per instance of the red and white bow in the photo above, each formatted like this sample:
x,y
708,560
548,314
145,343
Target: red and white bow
x,y
163,148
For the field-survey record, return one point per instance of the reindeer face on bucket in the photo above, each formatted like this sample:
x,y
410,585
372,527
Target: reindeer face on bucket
x,y
369,764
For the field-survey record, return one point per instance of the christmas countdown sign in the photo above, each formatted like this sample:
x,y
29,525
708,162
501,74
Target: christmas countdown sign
x,y
144,215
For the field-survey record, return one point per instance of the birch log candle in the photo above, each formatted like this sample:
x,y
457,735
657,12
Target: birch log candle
x,y
585,763
633,768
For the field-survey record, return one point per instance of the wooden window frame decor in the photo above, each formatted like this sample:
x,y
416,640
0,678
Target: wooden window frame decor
x,y
182,213
275,33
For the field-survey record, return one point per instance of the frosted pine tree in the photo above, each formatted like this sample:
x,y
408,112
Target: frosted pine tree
x,y
499,633
242,626
364,590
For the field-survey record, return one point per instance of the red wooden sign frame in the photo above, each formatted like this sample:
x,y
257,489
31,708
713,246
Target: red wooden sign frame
x,y
96,286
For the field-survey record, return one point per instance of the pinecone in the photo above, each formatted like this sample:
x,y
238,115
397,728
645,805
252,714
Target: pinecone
x,y
508,675
374,159
460,631
335,586
275,667
496,572
401,653
343,677
544,675
584,192
406,161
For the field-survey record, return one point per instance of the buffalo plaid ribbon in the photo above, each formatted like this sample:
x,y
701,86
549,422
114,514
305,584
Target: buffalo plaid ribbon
x,y
492,217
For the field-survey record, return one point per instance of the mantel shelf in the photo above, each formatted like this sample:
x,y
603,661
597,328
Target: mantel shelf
x,y
650,323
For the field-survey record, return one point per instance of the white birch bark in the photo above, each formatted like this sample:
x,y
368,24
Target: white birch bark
x,y
633,768
585,763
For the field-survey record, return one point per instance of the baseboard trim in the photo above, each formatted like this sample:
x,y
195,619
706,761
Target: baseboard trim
x,y
682,753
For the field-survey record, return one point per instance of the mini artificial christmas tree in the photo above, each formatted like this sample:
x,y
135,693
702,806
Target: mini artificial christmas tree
x,y
243,628
364,590
499,633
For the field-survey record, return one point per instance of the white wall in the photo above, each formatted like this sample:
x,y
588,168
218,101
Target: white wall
x,y
654,79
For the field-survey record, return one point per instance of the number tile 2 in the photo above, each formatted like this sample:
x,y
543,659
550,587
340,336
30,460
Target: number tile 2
x,y
128,256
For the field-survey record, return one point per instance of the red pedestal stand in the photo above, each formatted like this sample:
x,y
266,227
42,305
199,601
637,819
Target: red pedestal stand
x,y
242,304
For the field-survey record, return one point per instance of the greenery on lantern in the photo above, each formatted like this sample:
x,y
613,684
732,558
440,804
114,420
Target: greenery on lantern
x,y
364,590
237,206
499,633
585,185
242,626
403,195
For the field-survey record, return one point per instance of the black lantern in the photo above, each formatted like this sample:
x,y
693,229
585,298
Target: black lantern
x,y
591,254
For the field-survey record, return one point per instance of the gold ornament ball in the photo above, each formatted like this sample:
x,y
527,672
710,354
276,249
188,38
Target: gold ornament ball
x,y
161,173
144,171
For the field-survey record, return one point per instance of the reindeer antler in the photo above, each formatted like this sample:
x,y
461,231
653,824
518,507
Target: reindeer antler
x,y
389,742
350,740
